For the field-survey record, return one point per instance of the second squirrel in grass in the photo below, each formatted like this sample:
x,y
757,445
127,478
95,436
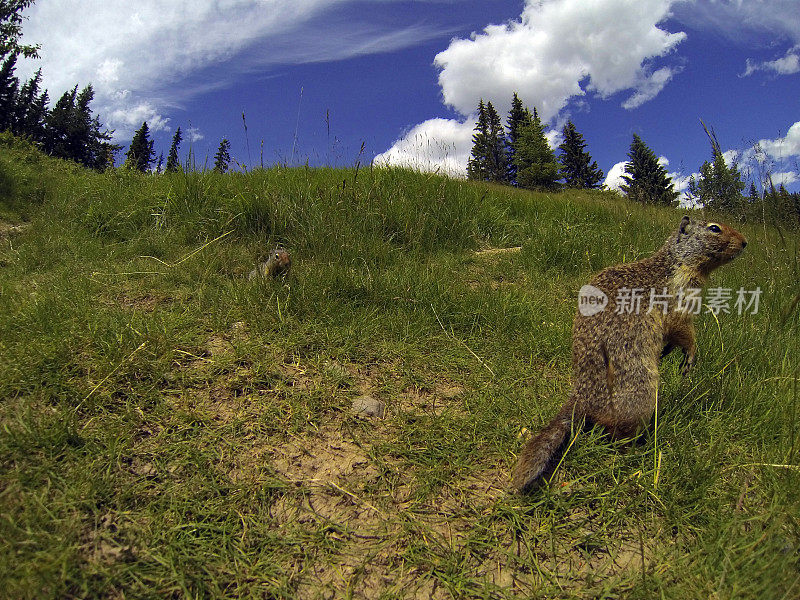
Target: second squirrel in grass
x,y
615,353
278,263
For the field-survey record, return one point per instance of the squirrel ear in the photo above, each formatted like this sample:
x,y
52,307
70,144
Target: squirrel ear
x,y
684,224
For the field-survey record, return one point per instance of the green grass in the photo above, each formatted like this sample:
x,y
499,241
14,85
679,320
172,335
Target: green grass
x,y
171,429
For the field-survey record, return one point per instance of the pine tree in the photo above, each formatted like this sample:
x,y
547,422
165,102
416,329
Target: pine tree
x,y
535,161
517,117
173,164
79,136
141,153
497,147
753,195
102,150
72,132
796,205
10,49
719,187
59,124
647,180
477,167
222,158
577,167
489,158
785,210
9,88
31,110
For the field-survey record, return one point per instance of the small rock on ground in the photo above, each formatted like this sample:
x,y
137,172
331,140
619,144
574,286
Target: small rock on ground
x,y
369,406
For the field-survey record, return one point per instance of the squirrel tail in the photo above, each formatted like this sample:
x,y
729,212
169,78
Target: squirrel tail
x,y
540,454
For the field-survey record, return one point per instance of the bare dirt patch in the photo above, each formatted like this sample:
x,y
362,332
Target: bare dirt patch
x,y
497,251
486,268
145,302
10,229
105,542
431,400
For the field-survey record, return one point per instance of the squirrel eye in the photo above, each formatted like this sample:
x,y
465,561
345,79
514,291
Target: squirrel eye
x,y
715,228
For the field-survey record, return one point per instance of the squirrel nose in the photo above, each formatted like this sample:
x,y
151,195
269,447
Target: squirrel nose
x,y
744,244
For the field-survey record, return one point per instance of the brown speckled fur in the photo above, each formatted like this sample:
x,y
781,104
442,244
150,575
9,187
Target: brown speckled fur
x,y
615,356
278,263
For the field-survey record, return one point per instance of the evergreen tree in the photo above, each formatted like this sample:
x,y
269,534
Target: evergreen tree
x,y
784,207
222,158
577,167
517,117
10,49
781,207
647,180
719,187
160,163
489,157
103,151
535,161
477,165
173,164
498,147
59,124
753,195
141,153
71,132
79,135
9,88
31,110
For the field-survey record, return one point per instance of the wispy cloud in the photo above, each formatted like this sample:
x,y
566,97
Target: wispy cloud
x,y
743,20
788,64
650,86
750,22
193,134
137,55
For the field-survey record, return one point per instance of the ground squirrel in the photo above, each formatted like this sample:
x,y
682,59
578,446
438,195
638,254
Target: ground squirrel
x,y
278,263
615,355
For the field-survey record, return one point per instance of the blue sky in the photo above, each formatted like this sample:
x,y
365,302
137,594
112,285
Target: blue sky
x,y
317,79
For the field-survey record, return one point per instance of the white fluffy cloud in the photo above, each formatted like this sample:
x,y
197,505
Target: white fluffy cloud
x,y
556,51
136,54
441,145
553,48
783,148
784,177
614,176
128,116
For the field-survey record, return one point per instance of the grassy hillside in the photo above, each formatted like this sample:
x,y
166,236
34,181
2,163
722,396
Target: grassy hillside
x,y
171,429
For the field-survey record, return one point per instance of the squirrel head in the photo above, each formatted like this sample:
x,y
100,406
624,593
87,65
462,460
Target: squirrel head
x,y
705,245
279,261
